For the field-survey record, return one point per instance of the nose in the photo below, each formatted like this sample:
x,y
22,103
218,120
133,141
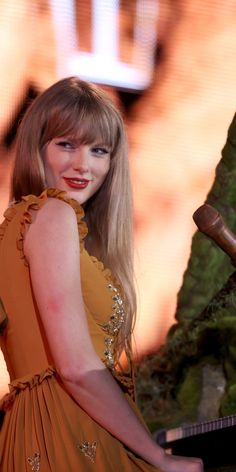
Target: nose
x,y
81,159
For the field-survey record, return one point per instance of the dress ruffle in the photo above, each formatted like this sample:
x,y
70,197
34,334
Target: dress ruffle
x,y
62,195
32,202
29,381
106,272
8,215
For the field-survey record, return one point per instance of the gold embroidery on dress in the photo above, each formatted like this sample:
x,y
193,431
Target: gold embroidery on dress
x,y
34,462
88,449
113,326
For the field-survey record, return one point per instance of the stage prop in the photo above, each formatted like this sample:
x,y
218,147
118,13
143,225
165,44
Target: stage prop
x,y
192,379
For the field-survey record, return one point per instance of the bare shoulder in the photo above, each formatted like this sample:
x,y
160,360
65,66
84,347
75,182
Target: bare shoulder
x,y
54,222
53,212
55,209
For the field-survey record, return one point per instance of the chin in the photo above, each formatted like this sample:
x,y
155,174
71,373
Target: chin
x,y
79,198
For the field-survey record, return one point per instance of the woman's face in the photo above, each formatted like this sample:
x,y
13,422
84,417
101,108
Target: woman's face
x,y
78,169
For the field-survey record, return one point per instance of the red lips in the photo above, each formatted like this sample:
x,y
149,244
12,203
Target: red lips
x,y
76,182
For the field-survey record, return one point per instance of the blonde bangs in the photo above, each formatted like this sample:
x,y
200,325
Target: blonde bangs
x,y
85,123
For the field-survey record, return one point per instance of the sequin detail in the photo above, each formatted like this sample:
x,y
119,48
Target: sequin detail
x,y
34,462
88,449
113,326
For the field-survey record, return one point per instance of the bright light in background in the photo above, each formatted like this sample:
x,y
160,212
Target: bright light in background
x,y
102,64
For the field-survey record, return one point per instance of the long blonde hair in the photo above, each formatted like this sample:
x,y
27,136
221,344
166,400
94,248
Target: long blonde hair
x,y
78,109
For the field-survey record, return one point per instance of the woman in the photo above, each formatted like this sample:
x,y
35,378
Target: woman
x,y
66,286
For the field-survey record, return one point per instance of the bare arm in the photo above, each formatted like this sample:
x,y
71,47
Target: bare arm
x,y
52,249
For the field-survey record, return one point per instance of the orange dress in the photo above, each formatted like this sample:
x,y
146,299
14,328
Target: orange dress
x,y
44,429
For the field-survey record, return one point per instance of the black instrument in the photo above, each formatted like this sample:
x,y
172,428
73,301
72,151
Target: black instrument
x,y
214,441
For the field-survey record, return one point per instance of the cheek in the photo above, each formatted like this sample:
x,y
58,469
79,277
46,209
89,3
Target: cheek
x,y
106,168
52,172
49,169
101,169
55,165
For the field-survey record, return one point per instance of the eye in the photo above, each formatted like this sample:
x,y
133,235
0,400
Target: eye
x,y
99,150
65,144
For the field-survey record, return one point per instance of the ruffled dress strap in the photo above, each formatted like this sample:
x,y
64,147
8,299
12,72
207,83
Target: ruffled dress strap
x,y
8,216
33,202
28,381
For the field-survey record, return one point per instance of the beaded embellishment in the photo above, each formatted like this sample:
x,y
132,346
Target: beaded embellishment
x,y
113,326
88,449
34,462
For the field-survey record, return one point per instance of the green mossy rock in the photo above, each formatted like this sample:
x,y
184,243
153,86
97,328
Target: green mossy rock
x,y
189,394
229,402
209,268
